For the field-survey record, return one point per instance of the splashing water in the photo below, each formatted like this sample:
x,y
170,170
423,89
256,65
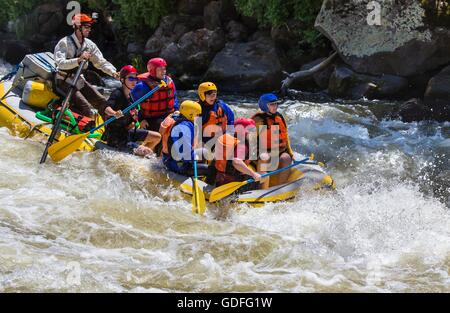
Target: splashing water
x,y
105,221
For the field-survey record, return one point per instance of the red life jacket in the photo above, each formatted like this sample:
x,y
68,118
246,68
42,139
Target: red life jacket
x,y
161,103
84,123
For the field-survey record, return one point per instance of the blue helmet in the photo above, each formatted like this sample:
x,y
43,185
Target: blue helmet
x,y
265,99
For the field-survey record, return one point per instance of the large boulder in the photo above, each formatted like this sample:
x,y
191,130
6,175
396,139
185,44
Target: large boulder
x,y
191,7
437,95
13,51
438,89
170,30
404,44
413,110
192,54
43,22
345,83
236,31
246,67
211,15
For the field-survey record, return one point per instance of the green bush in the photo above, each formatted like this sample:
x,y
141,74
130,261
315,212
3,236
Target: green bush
x,y
12,9
133,18
276,12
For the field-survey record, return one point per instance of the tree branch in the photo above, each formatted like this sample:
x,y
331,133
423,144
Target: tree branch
x,y
306,73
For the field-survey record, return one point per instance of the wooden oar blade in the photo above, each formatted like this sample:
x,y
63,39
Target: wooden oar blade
x,y
62,149
225,190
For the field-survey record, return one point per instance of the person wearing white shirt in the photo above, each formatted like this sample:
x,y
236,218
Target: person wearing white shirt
x,y
69,53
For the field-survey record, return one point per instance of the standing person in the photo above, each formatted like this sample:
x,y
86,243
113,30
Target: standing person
x,y
69,53
216,114
122,133
163,102
275,141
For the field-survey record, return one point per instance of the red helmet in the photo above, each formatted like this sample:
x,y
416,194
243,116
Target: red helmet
x,y
245,122
80,19
155,63
126,70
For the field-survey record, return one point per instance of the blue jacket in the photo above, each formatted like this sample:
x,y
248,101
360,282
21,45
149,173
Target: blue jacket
x,y
182,136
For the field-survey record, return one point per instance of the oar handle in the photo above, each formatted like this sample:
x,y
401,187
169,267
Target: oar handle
x,y
251,180
131,106
57,125
195,168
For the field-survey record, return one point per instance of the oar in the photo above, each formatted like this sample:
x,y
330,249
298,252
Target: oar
x,y
227,189
57,125
198,197
60,150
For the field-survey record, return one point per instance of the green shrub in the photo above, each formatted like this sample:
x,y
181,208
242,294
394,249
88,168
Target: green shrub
x,y
133,19
276,12
12,9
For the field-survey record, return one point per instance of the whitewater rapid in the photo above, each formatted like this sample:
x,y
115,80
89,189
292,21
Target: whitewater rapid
x,y
106,221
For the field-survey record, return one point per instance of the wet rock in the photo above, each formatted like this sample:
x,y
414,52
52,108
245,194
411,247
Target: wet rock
x,y
345,83
135,48
439,87
246,67
236,31
211,15
170,30
228,11
13,51
284,35
194,51
413,110
249,22
404,44
191,7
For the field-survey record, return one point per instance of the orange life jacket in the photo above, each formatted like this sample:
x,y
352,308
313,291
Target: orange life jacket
x,y
161,102
216,120
165,129
224,152
281,137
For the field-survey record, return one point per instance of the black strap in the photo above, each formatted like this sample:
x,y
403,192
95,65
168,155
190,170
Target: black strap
x,y
77,51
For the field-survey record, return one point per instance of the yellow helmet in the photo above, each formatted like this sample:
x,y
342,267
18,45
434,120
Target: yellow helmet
x,y
204,87
190,109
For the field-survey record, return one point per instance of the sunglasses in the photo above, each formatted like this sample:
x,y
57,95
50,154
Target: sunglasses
x,y
132,79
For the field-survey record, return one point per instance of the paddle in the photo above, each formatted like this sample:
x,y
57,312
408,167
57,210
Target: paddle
x,y
227,189
61,149
198,197
57,126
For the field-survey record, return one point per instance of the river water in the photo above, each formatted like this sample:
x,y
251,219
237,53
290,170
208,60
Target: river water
x,y
111,222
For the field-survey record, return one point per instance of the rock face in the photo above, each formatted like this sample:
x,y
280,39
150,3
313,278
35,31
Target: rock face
x,y
246,67
438,89
345,83
170,30
413,110
211,15
192,54
401,45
